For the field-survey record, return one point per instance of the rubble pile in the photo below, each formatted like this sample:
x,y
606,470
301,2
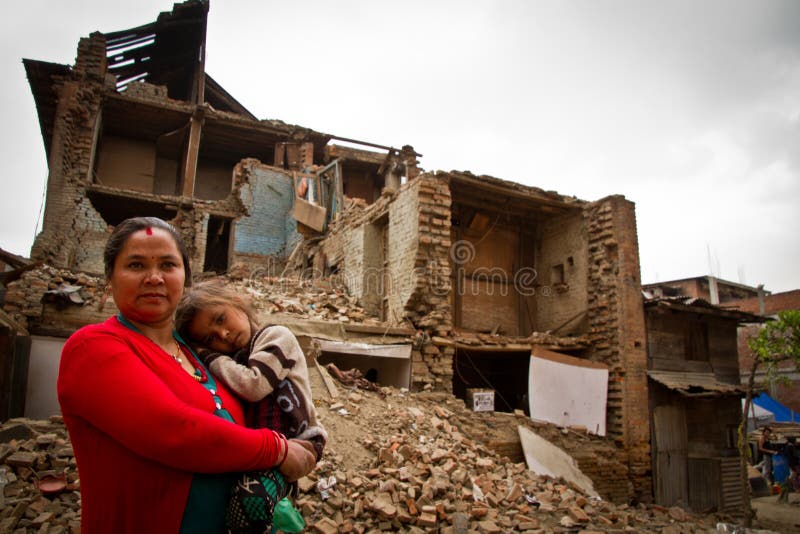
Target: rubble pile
x,y
315,299
39,486
396,462
424,474
24,298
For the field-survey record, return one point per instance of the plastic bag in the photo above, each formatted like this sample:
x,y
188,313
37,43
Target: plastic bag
x,y
286,518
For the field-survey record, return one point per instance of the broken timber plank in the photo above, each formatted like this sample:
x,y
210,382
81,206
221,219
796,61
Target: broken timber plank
x,y
333,391
309,214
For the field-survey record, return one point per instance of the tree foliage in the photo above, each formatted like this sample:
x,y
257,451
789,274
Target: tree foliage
x,y
776,343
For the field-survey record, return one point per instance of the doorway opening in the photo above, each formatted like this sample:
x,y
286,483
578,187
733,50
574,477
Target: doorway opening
x,y
506,373
218,240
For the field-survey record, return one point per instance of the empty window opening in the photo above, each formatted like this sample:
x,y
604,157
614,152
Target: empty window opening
x,y
218,240
377,279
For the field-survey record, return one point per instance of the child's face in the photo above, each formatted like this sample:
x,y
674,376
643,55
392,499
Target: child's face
x,y
223,329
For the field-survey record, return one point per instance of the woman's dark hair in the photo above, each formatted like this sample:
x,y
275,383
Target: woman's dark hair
x,y
127,227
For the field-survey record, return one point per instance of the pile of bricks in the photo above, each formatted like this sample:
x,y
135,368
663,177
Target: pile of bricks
x,y
426,475
24,297
38,477
307,298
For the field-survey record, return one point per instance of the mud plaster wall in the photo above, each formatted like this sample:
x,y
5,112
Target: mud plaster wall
x,y
354,261
267,232
126,163
403,241
617,331
213,180
562,245
69,219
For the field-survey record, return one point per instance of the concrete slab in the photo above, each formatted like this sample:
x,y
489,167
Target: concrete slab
x,y
544,458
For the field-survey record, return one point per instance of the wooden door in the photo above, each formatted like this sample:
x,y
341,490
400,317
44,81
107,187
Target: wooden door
x,y
671,479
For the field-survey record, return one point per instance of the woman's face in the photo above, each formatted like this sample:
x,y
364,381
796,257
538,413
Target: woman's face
x,y
222,328
147,281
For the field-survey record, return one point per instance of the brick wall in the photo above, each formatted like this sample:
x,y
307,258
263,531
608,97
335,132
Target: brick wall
x,y
418,287
617,331
428,305
562,242
788,393
787,300
68,217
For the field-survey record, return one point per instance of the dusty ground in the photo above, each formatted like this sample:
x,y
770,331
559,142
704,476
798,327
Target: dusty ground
x,y
781,517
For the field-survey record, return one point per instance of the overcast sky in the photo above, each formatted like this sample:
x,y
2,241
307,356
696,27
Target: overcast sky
x,y
691,109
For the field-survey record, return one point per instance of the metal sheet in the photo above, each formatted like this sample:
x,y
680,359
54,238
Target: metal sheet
x,y
696,384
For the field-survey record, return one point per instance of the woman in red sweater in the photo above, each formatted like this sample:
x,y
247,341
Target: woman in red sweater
x,y
157,440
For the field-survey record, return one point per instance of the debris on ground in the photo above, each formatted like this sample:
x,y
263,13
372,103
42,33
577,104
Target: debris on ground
x,y
396,462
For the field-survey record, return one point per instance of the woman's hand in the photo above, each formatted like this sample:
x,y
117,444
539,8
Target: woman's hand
x,y
300,459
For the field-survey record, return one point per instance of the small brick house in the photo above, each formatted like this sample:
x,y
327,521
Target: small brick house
x,y
472,271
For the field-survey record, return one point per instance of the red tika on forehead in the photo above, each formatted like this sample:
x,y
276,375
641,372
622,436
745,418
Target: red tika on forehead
x,y
148,231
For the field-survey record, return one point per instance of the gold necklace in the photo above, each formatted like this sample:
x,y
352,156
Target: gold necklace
x,y
198,374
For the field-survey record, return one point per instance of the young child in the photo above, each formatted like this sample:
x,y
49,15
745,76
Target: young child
x,y
264,366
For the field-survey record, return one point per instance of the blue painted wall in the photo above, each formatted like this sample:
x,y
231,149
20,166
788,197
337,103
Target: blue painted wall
x,y
270,225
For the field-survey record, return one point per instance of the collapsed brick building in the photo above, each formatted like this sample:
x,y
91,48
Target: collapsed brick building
x,y
468,273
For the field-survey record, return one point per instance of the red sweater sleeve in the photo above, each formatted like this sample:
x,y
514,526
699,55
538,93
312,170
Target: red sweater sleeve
x,y
107,381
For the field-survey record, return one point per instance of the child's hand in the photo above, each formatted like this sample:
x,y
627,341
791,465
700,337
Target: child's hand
x,y
206,355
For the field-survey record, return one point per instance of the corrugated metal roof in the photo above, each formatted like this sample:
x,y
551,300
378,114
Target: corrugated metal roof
x,y
698,305
696,384
680,299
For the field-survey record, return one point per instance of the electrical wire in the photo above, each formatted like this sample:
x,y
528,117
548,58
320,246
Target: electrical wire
x,y
41,209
